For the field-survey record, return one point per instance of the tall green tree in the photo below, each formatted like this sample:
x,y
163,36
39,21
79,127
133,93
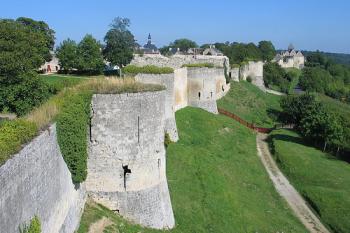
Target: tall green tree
x,y
183,44
268,51
22,52
67,53
20,49
89,55
45,30
119,43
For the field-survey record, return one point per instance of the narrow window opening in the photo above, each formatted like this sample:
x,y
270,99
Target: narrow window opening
x,y
126,171
230,74
211,94
199,95
222,88
90,131
138,129
158,163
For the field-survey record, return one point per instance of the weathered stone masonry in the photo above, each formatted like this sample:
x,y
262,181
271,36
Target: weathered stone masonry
x,y
36,181
126,165
166,80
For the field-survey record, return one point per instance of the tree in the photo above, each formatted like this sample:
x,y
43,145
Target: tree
x,y
67,54
183,44
89,56
315,79
21,49
267,49
275,75
43,28
119,43
294,107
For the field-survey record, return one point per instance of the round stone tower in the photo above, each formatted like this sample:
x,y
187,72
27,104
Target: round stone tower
x,y
126,164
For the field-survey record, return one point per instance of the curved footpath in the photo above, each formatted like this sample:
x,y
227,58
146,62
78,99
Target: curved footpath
x,y
286,190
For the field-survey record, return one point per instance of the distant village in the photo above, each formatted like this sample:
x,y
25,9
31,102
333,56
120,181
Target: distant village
x,y
289,58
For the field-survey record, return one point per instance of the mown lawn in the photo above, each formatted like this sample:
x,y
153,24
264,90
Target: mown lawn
x,y
217,182
250,103
323,180
59,81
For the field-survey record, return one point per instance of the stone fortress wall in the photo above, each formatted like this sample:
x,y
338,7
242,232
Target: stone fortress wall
x,y
166,80
177,61
252,69
197,87
255,70
126,165
36,181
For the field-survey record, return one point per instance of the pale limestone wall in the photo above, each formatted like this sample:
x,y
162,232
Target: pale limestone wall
x,y
202,89
220,81
177,61
128,130
36,181
293,62
168,81
180,83
235,74
255,70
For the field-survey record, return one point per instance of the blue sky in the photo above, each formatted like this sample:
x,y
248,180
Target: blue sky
x,y
308,24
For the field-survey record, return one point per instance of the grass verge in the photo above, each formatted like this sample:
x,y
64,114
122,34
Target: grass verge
x,y
251,104
320,178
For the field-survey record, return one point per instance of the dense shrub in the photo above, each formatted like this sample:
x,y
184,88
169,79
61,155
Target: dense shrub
x,y
249,79
199,65
12,135
21,96
72,124
34,227
150,69
314,121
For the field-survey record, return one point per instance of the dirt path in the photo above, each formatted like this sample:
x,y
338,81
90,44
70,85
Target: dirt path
x,y
100,225
286,190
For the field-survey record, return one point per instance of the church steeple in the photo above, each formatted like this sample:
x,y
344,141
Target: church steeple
x,y
149,38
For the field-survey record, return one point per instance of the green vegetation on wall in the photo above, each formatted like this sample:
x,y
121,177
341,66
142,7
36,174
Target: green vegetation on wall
x,y
13,134
149,69
322,180
199,65
34,226
72,126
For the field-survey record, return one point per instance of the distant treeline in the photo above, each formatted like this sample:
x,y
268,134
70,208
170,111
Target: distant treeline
x,y
339,58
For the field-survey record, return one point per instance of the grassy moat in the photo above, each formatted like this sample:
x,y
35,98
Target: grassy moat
x,y
217,182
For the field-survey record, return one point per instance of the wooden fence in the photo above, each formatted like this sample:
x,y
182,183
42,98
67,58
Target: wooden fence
x,y
243,122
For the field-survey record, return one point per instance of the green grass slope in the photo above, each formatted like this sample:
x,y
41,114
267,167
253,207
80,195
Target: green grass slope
x,y
59,82
250,103
323,180
217,182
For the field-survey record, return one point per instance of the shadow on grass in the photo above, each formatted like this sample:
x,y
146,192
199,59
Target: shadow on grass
x,y
289,138
274,114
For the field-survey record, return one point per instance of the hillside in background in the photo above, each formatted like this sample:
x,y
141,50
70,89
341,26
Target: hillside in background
x,y
341,58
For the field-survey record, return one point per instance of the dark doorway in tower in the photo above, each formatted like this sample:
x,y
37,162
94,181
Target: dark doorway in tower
x,y
126,171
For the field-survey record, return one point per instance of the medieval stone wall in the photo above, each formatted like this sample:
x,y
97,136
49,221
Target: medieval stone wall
x,y
36,181
126,165
254,70
181,86
168,81
235,74
177,61
202,89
